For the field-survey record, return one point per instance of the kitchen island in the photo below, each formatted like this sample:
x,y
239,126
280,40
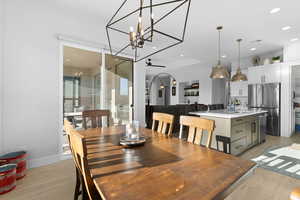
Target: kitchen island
x,y
242,128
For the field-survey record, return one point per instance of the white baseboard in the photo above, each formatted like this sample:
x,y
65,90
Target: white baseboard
x,y
47,160
65,156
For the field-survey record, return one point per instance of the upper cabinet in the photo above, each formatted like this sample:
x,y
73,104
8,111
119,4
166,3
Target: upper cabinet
x,y
273,73
239,89
255,74
264,74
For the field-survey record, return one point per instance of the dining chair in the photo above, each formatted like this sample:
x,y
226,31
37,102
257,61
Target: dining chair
x,y
68,128
165,123
80,151
95,116
196,126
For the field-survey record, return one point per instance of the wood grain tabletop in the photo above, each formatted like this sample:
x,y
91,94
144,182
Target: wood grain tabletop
x,y
164,168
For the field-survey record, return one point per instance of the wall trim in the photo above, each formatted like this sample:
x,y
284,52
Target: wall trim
x,y
66,157
85,44
79,42
47,160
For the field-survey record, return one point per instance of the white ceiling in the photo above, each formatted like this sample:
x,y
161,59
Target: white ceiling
x,y
249,20
78,58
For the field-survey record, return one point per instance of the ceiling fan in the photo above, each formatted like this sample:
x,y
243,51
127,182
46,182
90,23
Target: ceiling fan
x,y
149,64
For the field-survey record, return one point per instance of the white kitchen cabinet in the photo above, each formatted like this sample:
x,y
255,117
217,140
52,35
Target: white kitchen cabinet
x,y
255,74
239,89
233,89
270,73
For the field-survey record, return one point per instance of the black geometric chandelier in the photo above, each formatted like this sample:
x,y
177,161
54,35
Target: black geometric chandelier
x,y
142,30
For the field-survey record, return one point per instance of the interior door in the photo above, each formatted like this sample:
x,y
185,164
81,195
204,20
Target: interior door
x,y
95,80
119,88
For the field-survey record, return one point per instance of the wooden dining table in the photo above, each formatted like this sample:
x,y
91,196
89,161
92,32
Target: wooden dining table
x,y
163,168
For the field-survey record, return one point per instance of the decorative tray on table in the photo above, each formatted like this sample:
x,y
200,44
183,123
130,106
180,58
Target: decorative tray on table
x,y
131,142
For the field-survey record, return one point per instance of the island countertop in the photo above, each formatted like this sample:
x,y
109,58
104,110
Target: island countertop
x,y
228,115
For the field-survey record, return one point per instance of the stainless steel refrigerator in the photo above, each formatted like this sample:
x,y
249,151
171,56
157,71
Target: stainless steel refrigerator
x,y
267,97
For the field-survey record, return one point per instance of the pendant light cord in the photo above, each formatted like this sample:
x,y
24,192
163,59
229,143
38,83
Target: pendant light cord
x,y
219,28
239,53
219,53
141,7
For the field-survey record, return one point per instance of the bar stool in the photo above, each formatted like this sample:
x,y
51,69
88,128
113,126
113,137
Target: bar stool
x,y
225,141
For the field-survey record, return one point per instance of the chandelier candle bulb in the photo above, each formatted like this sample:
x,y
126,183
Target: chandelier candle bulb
x,y
146,27
139,28
131,29
132,37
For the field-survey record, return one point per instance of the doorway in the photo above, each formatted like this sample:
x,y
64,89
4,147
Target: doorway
x,y
93,79
295,99
159,89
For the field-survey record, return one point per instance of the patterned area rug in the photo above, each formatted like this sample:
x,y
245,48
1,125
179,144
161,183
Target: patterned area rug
x,y
283,160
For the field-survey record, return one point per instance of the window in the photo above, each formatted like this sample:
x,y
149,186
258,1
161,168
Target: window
x,y
124,86
71,93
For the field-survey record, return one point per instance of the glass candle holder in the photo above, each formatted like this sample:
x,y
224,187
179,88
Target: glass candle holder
x,y
132,130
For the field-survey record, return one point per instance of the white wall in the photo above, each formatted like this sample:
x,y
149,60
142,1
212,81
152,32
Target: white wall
x,y
31,73
139,92
199,72
1,70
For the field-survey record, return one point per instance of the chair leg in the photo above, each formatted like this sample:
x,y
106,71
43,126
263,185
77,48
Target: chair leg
x,y
77,186
84,193
80,188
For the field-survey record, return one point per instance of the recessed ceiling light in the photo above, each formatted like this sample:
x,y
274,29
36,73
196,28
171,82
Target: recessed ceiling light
x,y
224,56
286,28
274,10
253,49
181,55
294,39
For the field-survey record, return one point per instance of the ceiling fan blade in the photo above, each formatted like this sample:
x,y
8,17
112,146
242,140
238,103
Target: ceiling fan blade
x,y
161,66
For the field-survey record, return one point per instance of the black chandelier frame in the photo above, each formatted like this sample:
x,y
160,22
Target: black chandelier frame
x,y
151,29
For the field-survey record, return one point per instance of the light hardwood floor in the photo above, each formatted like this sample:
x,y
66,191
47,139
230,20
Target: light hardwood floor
x,y
56,181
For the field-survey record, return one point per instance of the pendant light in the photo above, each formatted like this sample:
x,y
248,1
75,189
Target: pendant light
x,y
219,71
161,86
239,76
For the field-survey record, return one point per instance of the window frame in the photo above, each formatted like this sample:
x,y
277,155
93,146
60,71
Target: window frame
x,y
73,79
